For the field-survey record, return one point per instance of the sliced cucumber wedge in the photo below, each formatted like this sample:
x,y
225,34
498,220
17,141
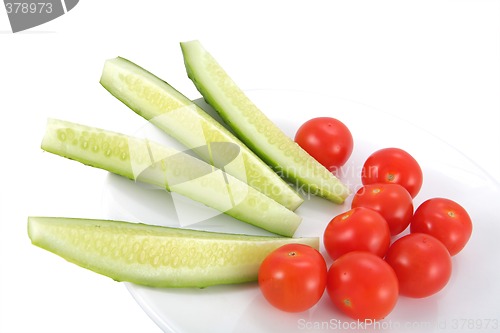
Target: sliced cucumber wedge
x,y
256,130
153,255
147,161
172,112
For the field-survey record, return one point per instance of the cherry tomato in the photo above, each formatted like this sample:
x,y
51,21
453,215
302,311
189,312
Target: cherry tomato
x,y
293,277
326,139
393,165
360,229
422,264
444,219
362,285
392,201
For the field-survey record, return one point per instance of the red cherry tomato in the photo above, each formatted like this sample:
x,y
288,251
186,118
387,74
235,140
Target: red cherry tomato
x,y
360,229
422,264
326,139
293,277
392,201
393,165
362,285
444,219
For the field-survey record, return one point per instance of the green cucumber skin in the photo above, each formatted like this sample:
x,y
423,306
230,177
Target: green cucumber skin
x,y
156,256
256,130
168,109
146,161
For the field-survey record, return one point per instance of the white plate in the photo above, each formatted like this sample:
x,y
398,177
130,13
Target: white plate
x,y
470,302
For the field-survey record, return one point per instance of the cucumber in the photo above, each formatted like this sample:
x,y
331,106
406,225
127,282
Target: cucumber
x,y
156,256
149,162
256,130
172,112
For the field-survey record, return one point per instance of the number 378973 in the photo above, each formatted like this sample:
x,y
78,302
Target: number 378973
x,y
28,7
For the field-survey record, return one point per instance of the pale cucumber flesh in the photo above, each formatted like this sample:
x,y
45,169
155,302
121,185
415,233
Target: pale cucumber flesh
x,y
146,161
153,255
255,129
172,112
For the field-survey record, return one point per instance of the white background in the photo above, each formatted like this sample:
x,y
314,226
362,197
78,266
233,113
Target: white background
x,y
433,63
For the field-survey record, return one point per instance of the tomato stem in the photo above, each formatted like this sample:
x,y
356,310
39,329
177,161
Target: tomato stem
x,y
347,302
